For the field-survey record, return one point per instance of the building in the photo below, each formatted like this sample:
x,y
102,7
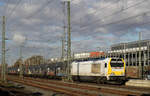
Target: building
x,y
88,55
132,52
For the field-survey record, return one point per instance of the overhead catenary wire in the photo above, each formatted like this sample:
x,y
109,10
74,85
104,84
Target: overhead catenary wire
x,y
133,26
13,10
137,25
115,22
100,25
31,20
33,14
115,13
41,8
108,6
106,15
6,8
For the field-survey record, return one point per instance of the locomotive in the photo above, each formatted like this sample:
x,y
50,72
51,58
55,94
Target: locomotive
x,y
100,70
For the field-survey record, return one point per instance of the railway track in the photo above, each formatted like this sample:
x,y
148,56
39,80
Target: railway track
x,y
90,86
73,89
146,90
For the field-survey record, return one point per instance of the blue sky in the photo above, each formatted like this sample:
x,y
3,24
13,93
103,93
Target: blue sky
x,y
94,23
1,3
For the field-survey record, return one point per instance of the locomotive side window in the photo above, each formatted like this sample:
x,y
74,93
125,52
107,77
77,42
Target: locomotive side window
x,y
105,65
95,68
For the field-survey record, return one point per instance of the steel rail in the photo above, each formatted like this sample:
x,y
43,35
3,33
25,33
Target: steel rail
x,y
52,88
89,88
97,89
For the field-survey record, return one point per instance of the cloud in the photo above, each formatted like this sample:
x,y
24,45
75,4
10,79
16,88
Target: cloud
x,y
94,23
19,39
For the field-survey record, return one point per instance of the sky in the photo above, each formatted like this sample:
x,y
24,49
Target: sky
x,y
37,25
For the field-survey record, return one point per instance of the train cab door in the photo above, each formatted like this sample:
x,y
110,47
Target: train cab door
x,y
103,68
106,68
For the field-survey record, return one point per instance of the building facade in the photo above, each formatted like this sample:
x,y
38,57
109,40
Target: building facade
x,y
134,53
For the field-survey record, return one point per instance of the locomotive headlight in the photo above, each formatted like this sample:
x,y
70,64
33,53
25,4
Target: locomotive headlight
x,y
122,73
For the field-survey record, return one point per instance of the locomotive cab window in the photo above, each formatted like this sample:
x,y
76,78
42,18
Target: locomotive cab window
x,y
116,63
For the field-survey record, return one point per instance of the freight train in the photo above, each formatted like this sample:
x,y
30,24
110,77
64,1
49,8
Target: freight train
x,y
98,70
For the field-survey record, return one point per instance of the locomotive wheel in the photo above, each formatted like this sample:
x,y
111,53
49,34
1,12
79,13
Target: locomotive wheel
x,y
78,78
101,80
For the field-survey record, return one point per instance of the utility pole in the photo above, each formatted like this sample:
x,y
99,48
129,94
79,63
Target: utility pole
x,y
124,52
64,45
140,64
62,49
69,44
148,52
3,74
64,35
21,63
62,57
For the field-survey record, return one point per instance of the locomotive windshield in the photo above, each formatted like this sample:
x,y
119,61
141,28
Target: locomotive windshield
x,y
116,63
